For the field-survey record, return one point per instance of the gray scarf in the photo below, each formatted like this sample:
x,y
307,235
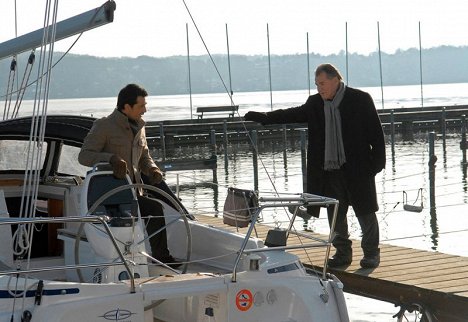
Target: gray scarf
x,y
334,149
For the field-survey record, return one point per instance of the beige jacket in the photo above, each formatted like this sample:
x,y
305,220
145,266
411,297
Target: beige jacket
x,y
112,135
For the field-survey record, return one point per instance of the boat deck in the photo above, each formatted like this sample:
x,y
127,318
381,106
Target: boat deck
x,y
405,276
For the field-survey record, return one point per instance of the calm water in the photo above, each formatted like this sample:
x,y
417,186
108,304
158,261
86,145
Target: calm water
x,y
443,228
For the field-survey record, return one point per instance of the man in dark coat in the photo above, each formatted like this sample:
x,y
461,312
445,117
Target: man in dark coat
x,y
346,150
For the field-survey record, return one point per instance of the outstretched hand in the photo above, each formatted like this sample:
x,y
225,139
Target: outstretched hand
x,y
255,117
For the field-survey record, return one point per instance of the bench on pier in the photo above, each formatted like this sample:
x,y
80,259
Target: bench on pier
x,y
230,109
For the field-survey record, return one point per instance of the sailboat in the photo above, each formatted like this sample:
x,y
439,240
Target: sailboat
x,y
74,246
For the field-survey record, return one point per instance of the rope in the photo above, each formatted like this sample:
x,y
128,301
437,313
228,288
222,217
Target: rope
x,y
9,89
22,89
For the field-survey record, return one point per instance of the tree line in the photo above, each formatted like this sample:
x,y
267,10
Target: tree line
x,y
81,76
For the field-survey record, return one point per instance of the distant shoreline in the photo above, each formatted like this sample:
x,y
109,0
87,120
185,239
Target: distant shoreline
x,y
83,76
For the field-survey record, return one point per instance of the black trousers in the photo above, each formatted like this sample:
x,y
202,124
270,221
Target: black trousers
x,y
335,187
152,212
164,187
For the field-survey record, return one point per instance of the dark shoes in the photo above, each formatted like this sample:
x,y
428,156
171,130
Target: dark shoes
x,y
370,260
344,258
339,261
170,261
341,258
300,211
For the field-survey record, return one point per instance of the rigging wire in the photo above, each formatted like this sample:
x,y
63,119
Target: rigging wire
x,y
55,64
9,90
22,89
40,76
208,52
243,124
36,140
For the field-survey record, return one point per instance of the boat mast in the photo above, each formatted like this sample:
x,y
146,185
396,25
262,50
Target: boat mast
x,y
269,68
229,63
308,64
380,64
420,65
66,28
189,73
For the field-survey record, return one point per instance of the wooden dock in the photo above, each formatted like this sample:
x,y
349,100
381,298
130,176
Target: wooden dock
x,y
406,276
218,131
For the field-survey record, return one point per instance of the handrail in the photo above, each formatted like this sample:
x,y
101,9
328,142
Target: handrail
x,y
87,219
305,199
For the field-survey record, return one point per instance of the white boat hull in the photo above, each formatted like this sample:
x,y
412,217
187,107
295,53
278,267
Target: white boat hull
x,y
262,295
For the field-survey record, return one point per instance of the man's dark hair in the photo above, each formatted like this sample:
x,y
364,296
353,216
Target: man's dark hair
x,y
129,94
330,70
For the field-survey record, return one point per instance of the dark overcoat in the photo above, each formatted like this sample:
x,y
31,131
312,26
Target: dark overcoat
x,y
363,141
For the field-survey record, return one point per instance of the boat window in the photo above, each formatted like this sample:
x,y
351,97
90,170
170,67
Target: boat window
x,y
14,155
69,162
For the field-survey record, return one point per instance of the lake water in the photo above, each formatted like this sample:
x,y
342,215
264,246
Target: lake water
x,y
443,228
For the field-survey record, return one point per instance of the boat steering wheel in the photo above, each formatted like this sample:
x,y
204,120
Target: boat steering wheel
x,y
182,212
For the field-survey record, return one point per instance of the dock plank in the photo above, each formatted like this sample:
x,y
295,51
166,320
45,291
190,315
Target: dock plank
x,y
435,280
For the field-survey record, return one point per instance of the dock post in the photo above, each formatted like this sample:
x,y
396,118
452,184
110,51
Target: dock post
x,y
432,200
392,128
254,155
305,224
213,152
392,133
443,129
304,160
463,146
285,137
285,146
432,162
225,144
463,137
163,142
407,130
443,123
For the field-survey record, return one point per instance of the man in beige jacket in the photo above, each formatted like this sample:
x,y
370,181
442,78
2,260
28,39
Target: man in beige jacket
x,y
120,139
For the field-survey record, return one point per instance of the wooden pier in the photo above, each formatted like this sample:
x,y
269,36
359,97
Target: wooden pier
x,y
406,276
219,131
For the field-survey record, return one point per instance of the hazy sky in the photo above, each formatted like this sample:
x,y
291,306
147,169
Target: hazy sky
x,y
157,27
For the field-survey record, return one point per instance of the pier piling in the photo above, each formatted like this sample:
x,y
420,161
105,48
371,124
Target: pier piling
x,y
432,162
225,144
163,142
463,138
255,157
